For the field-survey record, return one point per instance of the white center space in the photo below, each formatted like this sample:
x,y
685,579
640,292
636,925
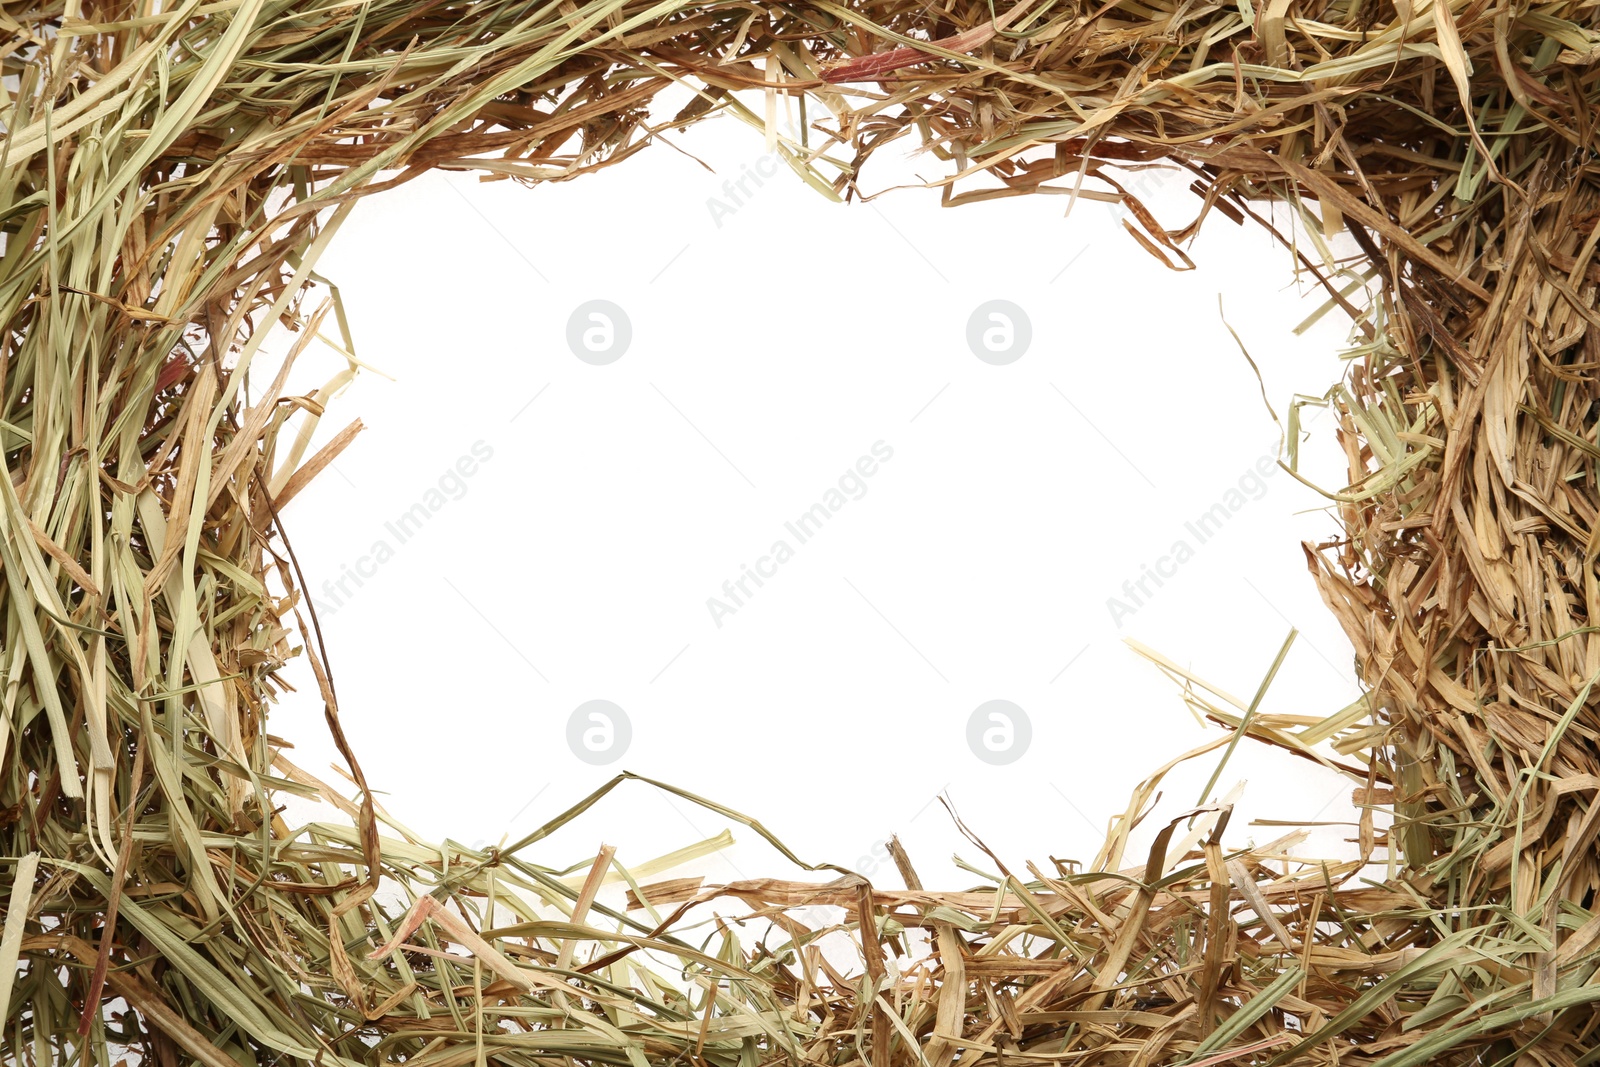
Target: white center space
x,y
577,519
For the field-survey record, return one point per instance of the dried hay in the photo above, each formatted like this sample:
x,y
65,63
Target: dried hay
x,y
167,181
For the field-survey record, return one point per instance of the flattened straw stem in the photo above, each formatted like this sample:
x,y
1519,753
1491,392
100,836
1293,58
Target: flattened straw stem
x,y
1244,723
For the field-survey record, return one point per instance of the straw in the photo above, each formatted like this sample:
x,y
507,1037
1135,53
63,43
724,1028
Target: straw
x,y
170,175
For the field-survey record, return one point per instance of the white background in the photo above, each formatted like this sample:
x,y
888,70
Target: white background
x,y
770,349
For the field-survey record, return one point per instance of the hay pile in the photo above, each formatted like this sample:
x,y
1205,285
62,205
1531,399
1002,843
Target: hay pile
x,y
168,179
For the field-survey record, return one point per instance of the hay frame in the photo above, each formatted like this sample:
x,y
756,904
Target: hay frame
x,y
168,179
